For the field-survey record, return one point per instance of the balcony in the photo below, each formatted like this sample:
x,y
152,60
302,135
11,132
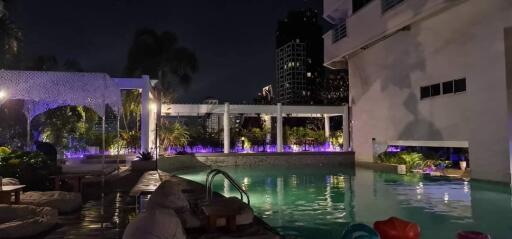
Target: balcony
x,y
373,22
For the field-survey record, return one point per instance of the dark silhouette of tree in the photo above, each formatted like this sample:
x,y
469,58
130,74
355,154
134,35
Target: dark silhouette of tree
x,y
51,63
72,65
44,63
11,41
161,57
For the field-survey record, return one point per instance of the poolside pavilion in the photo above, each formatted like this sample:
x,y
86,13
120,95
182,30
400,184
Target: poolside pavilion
x,y
42,91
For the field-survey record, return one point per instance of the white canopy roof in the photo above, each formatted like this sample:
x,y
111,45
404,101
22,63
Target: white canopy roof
x,y
46,90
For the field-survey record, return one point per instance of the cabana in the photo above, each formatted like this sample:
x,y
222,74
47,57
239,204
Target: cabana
x,y
42,91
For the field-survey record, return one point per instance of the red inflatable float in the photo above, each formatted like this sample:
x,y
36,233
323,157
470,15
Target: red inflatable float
x,y
396,228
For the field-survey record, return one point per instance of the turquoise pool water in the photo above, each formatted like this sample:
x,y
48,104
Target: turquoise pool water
x,y
303,202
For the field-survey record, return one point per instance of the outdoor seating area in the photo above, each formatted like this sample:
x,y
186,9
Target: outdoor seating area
x,y
182,202
17,221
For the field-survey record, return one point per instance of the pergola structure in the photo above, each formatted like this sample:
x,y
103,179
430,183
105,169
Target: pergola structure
x,y
279,111
42,91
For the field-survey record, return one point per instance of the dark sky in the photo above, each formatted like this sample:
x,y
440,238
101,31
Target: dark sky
x,y
234,39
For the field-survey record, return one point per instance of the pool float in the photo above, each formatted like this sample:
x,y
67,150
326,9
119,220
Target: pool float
x,y
359,231
472,235
396,228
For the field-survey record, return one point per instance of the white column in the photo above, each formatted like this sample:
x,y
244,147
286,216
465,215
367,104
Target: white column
x,y
268,126
226,128
346,129
279,128
145,121
327,127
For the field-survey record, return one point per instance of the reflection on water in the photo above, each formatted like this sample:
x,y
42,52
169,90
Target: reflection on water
x,y
320,202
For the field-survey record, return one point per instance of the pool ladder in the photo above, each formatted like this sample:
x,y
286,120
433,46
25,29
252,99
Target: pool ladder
x,y
209,181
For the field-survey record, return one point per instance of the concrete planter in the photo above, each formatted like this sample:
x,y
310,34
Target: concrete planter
x,y
144,166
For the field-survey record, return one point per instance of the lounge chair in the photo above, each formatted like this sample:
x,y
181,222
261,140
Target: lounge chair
x,y
64,202
25,221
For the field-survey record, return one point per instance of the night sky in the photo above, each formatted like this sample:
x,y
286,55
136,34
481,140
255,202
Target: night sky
x,y
233,39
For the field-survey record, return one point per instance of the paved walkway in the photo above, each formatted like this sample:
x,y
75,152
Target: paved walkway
x,y
101,216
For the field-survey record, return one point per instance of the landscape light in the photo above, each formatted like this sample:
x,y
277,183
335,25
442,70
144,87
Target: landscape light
x,y
3,94
153,106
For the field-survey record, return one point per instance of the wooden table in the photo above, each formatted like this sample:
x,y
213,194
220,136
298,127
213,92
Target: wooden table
x,y
7,191
75,179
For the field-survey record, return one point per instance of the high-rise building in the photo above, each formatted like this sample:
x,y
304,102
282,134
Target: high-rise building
x,y
212,121
298,58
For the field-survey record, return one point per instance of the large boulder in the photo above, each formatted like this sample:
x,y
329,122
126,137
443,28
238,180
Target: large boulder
x,y
64,202
25,221
155,224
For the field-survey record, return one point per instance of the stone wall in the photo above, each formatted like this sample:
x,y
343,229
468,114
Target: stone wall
x,y
183,162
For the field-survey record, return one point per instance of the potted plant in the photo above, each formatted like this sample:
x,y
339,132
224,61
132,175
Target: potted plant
x,y
144,162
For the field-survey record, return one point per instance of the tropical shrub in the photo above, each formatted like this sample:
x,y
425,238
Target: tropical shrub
x,y
411,160
305,136
4,151
145,156
254,136
131,139
173,135
336,138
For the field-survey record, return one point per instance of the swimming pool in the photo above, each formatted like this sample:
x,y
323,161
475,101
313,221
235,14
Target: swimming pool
x,y
305,202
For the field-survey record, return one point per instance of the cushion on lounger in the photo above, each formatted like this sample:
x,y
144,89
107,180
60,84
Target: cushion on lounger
x,y
155,224
64,202
25,221
10,182
168,195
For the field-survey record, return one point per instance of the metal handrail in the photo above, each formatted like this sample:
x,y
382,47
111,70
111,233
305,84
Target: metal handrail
x,y
209,181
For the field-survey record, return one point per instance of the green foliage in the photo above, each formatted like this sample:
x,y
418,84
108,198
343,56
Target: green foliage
x,y
131,139
145,156
131,100
254,136
4,151
31,168
411,160
305,136
173,135
336,138
61,125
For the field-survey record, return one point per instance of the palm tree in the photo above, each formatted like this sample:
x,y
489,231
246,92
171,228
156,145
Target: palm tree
x,y
10,43
159,56
131,109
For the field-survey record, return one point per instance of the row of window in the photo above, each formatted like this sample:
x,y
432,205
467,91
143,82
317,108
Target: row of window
x,y
339,32
445,88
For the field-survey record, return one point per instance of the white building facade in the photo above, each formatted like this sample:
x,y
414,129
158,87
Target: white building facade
x,y
428,73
